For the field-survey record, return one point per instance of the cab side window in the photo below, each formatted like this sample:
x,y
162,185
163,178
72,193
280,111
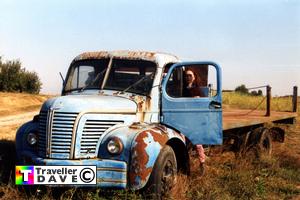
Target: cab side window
x,y
175,83
192,82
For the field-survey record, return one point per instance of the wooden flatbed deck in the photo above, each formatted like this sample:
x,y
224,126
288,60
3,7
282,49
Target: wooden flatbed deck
x,y
237,118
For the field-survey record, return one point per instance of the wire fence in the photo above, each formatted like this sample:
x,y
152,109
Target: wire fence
x,y
257,106
253,88
268,97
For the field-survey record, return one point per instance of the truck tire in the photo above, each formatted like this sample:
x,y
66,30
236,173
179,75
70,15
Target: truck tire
x,y
260,143
277,134
163,175
265,143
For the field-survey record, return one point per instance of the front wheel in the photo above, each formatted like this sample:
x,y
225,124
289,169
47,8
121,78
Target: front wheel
x,y
163,175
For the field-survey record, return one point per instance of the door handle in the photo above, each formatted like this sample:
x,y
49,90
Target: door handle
x,y
215,104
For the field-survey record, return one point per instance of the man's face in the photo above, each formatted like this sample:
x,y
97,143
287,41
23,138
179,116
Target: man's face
x,y
190,77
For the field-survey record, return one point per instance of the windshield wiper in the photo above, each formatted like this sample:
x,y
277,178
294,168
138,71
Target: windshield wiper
x,y
93,81
137,82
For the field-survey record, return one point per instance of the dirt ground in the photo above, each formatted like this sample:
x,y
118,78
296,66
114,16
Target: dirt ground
x,y
10,124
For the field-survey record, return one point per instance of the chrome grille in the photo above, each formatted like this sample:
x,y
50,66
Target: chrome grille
x,y
61,134
42,134
92,131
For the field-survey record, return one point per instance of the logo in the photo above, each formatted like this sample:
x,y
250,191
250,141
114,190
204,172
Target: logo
x,y
87,175
56,175
24,175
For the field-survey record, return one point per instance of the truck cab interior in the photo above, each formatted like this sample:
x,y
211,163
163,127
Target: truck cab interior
x,y
177,82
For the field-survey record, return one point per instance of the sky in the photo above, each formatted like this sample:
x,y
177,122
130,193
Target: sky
x,y
255,42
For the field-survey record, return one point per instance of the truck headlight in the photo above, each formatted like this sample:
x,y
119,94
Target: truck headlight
x,y
32,139
115,145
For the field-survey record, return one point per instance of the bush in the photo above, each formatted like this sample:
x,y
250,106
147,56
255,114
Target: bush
x,y
244,90
14,78
241,89
256,93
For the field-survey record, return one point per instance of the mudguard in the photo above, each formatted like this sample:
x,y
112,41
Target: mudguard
x,y
21,141
145,149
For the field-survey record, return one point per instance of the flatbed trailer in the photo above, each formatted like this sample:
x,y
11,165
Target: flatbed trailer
x,y
240,118
248,130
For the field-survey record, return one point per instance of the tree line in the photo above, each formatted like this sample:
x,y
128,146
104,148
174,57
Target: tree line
x,y
244,90
14,78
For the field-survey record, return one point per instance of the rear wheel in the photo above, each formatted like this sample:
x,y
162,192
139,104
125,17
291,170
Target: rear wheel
x,y
260,143
265,143
163,175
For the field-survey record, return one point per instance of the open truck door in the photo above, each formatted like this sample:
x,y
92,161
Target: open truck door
x,y
194,109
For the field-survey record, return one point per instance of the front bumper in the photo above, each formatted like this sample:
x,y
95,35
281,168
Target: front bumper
x,y
110,173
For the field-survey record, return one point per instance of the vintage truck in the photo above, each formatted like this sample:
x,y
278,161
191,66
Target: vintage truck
x,y
124,112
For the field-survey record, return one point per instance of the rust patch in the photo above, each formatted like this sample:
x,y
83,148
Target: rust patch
x,y
141,54
117,54
162,128
140,159
140,101
159,136
139,173
140,106
137,125
148,103
92,55
165,131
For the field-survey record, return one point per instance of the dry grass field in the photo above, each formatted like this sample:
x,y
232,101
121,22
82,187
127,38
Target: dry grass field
x,y
16,103
236,100
15,109
273,177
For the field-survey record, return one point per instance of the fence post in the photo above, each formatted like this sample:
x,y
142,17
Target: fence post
x,y
268,113
295,96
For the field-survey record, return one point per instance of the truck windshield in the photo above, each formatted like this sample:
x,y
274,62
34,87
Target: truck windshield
x,y
86,74
134,76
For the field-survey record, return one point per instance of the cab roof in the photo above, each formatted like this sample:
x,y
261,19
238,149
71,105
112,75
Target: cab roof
x,y
125,54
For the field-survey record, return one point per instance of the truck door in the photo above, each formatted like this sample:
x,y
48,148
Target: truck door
x,y
192,101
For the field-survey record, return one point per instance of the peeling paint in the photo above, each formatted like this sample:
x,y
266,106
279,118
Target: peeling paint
x,y
145,150
140,159
159,136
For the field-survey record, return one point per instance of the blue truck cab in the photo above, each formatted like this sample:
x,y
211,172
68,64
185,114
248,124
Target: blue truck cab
x,y
124,112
